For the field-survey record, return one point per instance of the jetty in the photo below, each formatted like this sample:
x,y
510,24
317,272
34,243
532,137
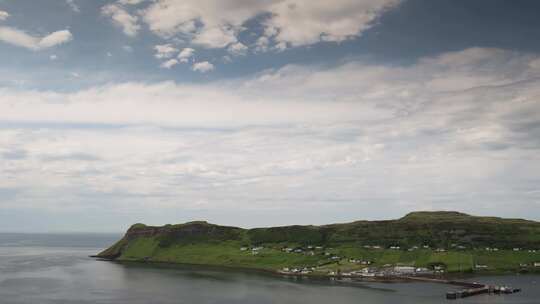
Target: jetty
x,y
471,288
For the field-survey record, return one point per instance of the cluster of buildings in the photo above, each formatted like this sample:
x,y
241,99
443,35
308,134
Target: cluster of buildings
x,y
481,266
367,272
297,270
309,248
394,271
534,264
361,262
413,248
254,250
521,249
440,249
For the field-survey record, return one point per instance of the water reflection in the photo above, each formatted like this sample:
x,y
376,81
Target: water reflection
x,y
66,275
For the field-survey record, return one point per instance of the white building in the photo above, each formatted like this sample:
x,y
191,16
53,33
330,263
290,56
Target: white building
x,y
404,269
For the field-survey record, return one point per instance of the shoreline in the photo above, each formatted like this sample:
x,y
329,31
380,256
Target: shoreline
x,y
468,287
318,277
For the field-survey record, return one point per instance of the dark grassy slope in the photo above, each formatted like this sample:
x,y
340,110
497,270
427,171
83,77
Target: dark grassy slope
x,y
204,243
437,229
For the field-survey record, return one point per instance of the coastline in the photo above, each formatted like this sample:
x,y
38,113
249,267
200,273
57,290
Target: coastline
x,y
315,276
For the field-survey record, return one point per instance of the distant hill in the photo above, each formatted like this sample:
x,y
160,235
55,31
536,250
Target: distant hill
x,y
447,231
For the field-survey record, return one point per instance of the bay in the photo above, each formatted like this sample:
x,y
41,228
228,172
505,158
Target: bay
x,y
55,268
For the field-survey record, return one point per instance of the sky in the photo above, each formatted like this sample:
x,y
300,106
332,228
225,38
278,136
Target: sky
x,y
265,112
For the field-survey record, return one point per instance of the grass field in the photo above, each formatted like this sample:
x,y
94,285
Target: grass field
x,y
204,243
228,253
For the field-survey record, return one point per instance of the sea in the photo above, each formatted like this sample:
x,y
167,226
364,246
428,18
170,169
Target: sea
x,y
56,268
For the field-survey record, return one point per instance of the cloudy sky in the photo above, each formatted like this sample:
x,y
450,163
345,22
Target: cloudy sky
x,y
265,112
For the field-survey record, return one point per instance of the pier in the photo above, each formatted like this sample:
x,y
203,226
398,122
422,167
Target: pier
x,y
471,289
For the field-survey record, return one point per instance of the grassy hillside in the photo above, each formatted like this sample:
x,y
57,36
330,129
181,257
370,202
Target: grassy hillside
x,y
458,241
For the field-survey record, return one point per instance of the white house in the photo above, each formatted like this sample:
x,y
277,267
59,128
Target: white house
x,y
404,269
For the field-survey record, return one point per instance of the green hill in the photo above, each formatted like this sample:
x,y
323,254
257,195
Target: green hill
x,y
458,241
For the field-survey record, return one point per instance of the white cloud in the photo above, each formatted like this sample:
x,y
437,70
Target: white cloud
x,y
130,2
202,67
127,48
226,59
294,94
55,38
219,18
53,57
3,15
280,46
123,19
333,140
74,7
185,54
165,51
214,37
169,63
304,22
237,49
20,38
262,43
216,24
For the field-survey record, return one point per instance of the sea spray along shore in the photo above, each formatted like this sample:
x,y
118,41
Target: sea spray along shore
x,y
424,243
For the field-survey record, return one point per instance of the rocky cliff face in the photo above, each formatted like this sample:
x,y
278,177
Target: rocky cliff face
x,y
168,235
187,230
441,229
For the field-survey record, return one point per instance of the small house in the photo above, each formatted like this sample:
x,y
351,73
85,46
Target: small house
x,y
422,270
404,269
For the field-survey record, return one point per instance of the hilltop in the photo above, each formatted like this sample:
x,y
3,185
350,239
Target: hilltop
x,y
458,241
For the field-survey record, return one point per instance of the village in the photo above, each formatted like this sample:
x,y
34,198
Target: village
x,y
349,269
354,267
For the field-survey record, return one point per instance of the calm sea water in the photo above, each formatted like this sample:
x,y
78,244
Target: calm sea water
x,y
55,269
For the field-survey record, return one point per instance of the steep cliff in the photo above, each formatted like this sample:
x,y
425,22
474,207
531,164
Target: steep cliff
x,y
203,243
